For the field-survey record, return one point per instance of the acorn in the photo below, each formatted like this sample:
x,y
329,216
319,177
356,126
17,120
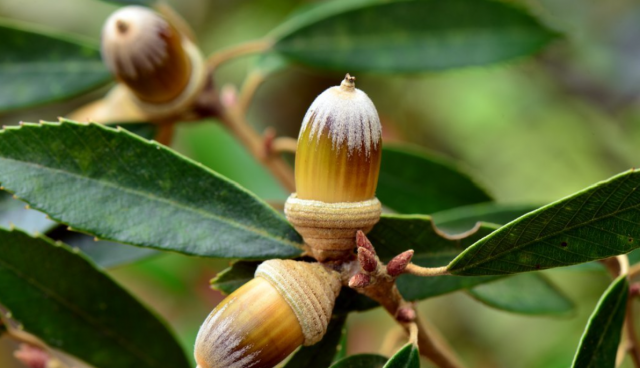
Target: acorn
x,y
287,304
336,171
161,68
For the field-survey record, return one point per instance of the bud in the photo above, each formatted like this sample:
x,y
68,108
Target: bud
x,y
148,54
337,167
286,305
339,147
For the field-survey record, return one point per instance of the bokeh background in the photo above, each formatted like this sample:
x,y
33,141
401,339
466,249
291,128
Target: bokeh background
x,y
532,131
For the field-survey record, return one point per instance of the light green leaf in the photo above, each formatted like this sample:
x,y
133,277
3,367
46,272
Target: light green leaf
x,y
461,219
598,222
410,36
361,361
599,343
528,293
38,68
119,187
395,234
413,181
407,357
320,355
132,2
61,297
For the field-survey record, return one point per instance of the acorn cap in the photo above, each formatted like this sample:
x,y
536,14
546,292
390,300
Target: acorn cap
x,y
339,147
150,56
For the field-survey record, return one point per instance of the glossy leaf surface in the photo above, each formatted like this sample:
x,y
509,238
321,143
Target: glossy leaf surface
x,y
38,68
61,297
407,357
119,187
598,222
528,293
410,36
412,181
599,343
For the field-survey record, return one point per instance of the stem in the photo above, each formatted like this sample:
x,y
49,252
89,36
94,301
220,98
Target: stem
x,y
249,88
619,266
416,270
247,48
432,345
234,120
164,135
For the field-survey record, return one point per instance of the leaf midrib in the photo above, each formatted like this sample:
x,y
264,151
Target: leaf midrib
x,y
537,239
152,198
122,341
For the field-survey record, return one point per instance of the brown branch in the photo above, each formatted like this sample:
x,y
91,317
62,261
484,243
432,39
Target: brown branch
x,y
234,120
251,47
370,277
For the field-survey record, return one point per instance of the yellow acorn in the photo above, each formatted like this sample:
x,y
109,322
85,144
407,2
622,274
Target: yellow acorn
x,y
336,171
162,68
287,304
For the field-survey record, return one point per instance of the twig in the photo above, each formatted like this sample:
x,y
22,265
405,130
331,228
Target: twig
x,y
249,88
619,266
234,120
220,57
370,277
416,270
164,135
634,271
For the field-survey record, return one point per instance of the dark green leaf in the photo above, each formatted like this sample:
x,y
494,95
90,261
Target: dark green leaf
x,y
407,357
342,346
14,214
350,300
412,181
599,343
598,222
38,68
528,293
395,234
119,187
461,219
235,276
361,361
410,36
321,354
59,296
105,254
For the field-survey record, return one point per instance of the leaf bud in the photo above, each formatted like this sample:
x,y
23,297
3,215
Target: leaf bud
x,y
287,304
162,68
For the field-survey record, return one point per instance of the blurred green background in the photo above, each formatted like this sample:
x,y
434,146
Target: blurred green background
x,y
532,131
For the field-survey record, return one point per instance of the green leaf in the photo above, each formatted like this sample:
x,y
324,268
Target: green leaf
x,y
321,354
38,68
407,357
395,234
145,130
598,222
105,254
528,293
413,181
599,343
235,276
410,36
14,214
119,187
461,219
342,345
361,361
59,296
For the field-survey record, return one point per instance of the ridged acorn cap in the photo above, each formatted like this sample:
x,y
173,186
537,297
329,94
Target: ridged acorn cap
x,y
287,304
339,147
145,52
